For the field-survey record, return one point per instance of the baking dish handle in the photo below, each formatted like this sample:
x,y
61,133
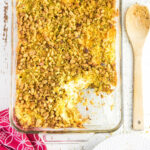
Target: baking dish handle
x,y
73,138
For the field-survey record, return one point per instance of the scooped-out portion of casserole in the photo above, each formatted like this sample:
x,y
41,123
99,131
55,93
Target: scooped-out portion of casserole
x,y
64,46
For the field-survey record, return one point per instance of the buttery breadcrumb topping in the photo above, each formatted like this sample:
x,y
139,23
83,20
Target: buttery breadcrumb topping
x,y
64,46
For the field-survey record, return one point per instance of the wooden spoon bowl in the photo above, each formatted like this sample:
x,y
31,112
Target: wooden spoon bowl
x,y
137,26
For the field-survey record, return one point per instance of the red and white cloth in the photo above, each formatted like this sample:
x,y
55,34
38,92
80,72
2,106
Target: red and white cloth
x,y
10,139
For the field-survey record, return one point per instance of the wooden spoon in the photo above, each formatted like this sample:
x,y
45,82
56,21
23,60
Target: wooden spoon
x,y
137,27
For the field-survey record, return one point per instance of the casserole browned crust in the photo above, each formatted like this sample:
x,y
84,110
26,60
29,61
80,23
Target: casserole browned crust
x,y
64,46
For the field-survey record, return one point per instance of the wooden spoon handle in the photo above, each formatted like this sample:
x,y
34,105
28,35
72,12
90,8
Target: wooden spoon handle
x,y
138,121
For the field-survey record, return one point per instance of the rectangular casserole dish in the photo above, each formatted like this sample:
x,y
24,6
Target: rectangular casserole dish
x,y
105,114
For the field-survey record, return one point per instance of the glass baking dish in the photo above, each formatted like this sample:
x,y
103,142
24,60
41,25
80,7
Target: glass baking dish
x,y
106,113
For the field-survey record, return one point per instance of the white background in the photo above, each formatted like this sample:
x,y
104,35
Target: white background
x,y
5,63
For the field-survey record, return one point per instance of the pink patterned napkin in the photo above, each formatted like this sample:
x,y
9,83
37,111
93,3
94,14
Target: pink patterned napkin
x,y
10,139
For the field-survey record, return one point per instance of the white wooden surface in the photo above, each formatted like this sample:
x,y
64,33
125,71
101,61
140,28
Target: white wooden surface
x,y
5,63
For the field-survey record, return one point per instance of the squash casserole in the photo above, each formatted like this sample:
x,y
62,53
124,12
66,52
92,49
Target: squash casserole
x,y
64,46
